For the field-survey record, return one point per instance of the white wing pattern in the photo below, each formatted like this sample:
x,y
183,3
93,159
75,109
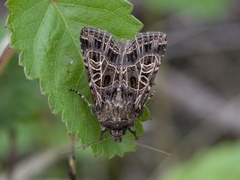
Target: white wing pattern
x,y
120,75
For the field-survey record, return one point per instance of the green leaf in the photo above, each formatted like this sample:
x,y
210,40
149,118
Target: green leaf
x,y
46,32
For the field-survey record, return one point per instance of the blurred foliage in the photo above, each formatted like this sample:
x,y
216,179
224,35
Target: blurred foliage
x,y
3,31
205,9
25,113
20,99
200,56
218,163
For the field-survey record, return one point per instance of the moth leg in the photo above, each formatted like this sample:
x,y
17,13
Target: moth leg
x,y
149,97
131,129
103,130
83,98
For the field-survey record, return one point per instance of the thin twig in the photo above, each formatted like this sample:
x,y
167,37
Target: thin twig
x,y
72,160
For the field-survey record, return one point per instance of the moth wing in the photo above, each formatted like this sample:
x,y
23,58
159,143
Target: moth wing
x,y
101,54
142,59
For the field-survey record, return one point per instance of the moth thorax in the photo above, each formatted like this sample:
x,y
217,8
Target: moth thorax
x,y
118,101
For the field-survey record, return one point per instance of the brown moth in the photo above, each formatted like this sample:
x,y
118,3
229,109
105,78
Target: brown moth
x,y
120,76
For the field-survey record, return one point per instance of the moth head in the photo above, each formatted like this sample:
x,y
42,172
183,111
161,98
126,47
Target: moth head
x,y
117,134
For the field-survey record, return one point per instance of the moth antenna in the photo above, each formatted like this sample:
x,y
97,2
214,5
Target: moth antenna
x,y
89,144
148,147
92,143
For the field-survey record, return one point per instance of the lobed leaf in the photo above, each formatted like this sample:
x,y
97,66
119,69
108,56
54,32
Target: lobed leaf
x,y
46,32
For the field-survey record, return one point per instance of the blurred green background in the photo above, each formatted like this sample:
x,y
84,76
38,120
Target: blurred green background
x,y
195,110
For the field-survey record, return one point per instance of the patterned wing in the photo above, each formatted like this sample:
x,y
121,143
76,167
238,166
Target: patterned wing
x,y
100,52
142,59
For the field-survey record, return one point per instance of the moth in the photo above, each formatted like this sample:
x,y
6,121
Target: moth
x,y
120,76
